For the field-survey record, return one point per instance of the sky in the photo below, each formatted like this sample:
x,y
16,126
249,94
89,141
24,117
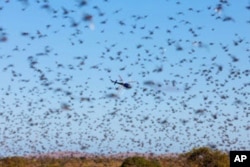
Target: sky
x,y
187,63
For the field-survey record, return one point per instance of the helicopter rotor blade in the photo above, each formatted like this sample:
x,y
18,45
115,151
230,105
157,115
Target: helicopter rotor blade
x,y
120,78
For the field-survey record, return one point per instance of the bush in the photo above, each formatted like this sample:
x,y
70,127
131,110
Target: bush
x,y
206,157
140,162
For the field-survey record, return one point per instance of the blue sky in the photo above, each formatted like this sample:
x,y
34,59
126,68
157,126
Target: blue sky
x,y
195,55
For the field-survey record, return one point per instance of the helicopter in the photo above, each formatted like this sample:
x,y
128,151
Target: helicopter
x,y
123,84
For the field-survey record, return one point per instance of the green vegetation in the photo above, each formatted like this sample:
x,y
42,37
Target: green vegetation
x,y
206,157
140,162
197,157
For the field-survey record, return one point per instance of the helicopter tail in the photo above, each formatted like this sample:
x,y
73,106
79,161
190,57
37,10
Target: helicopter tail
x,y
115,82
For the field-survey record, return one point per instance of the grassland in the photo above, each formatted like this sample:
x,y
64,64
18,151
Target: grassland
x,y
199,157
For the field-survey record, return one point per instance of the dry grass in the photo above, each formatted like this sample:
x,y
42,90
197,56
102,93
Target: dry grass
x,y
189,159
81,162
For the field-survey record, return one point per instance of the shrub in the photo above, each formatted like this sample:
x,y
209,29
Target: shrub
x,y
140,162
206,157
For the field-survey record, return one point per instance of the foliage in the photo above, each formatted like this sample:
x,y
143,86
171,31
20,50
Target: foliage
x,y
206,157
140,162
